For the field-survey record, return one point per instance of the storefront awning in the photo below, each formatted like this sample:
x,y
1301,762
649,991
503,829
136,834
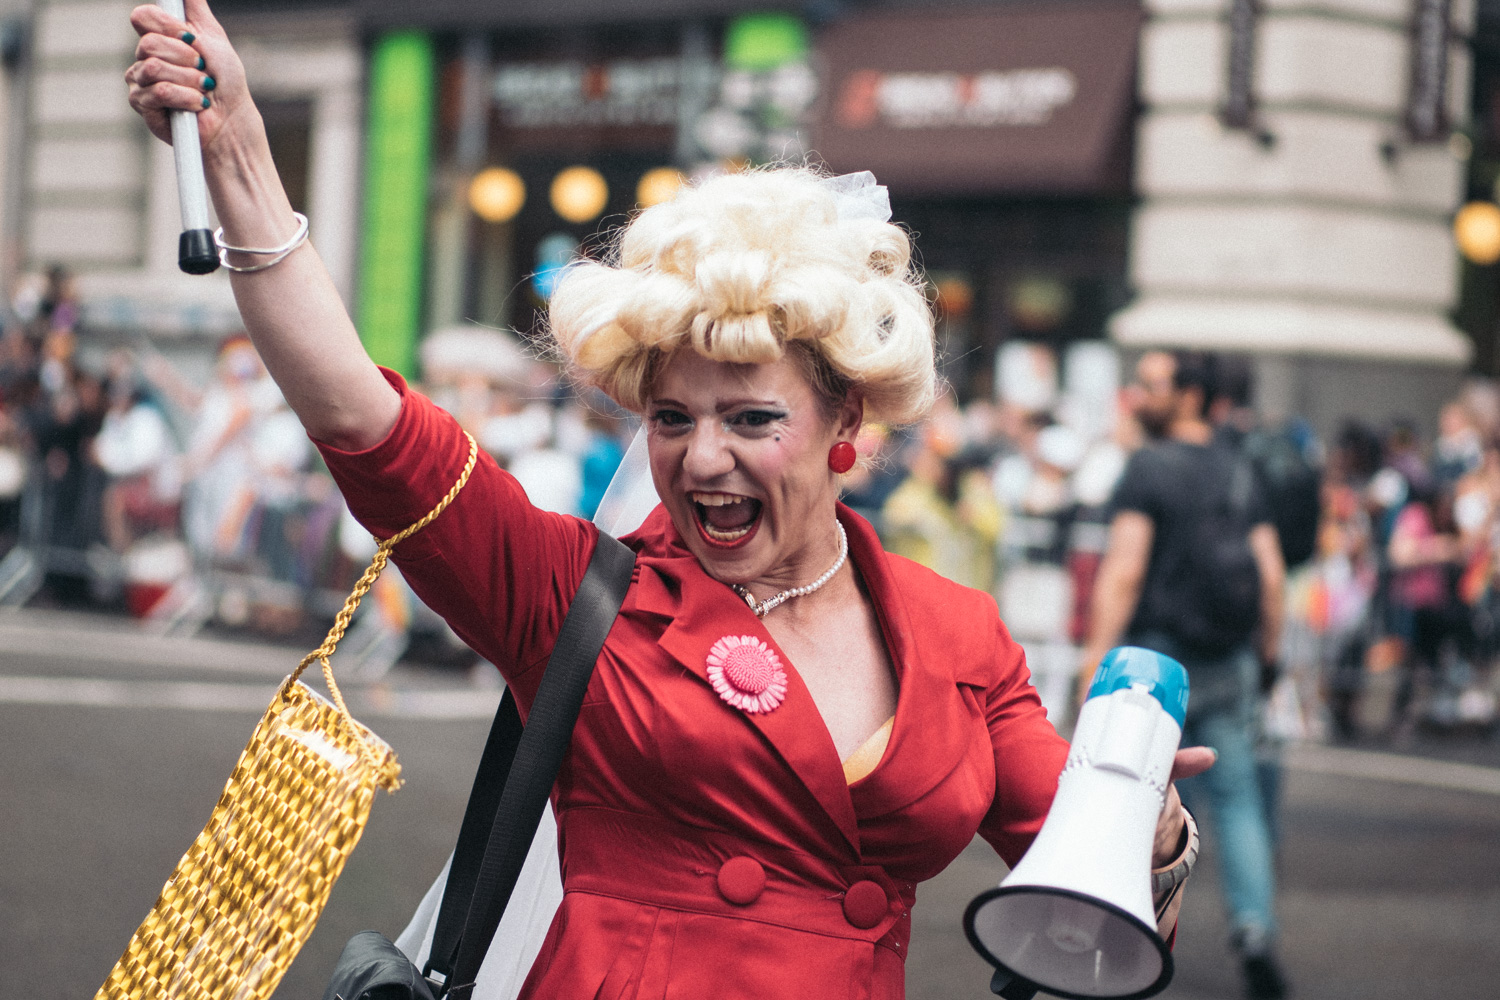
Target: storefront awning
x,y
1021,99
459,14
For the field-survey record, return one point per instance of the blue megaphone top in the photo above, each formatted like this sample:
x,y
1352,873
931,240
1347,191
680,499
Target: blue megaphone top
x,y
1128,666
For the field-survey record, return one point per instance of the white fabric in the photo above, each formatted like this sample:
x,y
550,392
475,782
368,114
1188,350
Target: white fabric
x,y
552,479
12,473
627,500
220,456
134,441
857,196
522,930
631,495
509,434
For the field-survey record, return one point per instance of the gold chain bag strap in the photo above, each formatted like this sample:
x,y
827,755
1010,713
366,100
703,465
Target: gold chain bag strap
x,y
248,892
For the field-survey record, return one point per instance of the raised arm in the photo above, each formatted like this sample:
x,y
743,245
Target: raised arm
x,y
292,311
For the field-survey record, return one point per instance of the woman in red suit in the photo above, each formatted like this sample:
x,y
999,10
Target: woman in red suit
x,y
788,728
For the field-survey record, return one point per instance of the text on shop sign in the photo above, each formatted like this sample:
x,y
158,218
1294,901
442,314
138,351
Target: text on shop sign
x,y
954,100
625,92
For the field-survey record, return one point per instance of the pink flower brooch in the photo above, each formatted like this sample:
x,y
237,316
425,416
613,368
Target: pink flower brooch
x,y
746,673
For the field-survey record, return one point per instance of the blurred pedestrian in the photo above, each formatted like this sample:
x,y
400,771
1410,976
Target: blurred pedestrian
x,y
64,417
1425,553
1339,599
1474,515
1283,459
218,466
1459,448
944,516
135,449
1193,569
19,386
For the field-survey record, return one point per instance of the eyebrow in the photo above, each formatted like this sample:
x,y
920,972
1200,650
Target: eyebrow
x,y
729,404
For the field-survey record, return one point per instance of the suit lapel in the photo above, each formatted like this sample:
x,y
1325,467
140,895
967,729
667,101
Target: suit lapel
x,y
701,611
930,735
933,722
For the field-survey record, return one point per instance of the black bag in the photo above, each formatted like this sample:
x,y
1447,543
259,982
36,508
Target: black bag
x,y
511,788
371,967
1222,607
1293,490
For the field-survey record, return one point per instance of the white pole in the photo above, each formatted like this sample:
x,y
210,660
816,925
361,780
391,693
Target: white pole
x,y
195,247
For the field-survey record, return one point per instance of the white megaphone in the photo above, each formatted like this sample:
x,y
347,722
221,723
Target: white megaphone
x,y
1075,917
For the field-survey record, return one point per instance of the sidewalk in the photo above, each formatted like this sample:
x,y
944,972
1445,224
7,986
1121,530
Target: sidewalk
x,y
75,642
78,658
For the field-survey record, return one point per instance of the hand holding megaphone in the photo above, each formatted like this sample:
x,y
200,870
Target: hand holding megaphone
x,y
1075,916
186,82
1170,828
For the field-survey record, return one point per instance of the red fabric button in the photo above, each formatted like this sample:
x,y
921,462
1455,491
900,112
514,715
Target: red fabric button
x,y
865,904
741,881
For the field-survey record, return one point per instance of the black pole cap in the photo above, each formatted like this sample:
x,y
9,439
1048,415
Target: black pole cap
x,y
196,253
1009,986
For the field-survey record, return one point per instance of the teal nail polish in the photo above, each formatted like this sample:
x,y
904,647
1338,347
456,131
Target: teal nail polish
x,y
188,36
205,102
209,83
201,64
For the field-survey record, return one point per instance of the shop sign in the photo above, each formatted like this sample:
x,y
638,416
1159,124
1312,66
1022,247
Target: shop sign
x,y
626,92
955,100
1034,97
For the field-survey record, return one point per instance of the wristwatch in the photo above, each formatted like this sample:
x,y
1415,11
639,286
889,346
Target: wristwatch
x,y
1164,880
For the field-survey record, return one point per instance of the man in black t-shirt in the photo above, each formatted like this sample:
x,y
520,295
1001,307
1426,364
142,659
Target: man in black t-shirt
x,y
1194,570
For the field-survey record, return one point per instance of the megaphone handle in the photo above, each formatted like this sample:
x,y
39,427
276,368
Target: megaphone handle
x,y
1009,986
195,247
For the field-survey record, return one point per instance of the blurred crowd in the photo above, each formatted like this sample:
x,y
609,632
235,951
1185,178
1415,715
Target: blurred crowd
x,y
122,480
1401,606
126,484
129,484
1392,540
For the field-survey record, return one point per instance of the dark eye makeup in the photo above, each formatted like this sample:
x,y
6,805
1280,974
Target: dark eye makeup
x,y
670,418
758,418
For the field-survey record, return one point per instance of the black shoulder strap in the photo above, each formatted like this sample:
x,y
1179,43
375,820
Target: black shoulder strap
x,y
516,774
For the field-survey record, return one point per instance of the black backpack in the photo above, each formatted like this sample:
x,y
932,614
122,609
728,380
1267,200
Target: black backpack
x,y
1222,607
1293,490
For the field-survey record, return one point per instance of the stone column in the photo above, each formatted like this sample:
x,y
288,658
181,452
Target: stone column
x,y
85,175
100,195
318,58
1320,234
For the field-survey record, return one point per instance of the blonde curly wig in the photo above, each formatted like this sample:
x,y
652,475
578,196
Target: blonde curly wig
x,y
741,267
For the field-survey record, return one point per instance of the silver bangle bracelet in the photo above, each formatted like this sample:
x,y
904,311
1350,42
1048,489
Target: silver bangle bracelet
x,y
278,254
1169,878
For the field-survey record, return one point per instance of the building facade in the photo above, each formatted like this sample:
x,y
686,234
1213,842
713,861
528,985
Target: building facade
x,y
1248,176
1298,170
93,192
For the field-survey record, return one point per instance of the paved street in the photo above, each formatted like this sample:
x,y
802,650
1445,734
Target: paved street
x,y
116,746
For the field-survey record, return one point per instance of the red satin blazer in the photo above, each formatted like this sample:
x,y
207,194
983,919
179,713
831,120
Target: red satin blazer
x,y
706,852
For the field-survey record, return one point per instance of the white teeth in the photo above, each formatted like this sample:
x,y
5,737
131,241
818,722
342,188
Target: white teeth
x,y
716,499
721,500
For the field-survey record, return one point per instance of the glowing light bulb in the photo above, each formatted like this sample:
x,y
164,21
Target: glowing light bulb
x,y
496,194
579,194
657,186
1476,230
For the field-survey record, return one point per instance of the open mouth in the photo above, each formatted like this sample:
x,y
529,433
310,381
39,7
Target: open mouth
x,y
725,519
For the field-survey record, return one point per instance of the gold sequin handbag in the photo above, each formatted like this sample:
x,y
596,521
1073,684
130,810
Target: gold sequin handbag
x,y
246,895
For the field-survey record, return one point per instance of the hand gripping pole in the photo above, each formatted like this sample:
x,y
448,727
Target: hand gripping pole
x,y
195,247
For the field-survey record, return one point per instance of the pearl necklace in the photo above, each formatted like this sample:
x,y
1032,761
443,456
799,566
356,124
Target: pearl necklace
x,y
763,608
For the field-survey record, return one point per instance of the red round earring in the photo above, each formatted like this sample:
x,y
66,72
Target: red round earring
x,y
841,457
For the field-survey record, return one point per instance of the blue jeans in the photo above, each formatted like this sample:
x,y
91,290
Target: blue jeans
x,y
1221,714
